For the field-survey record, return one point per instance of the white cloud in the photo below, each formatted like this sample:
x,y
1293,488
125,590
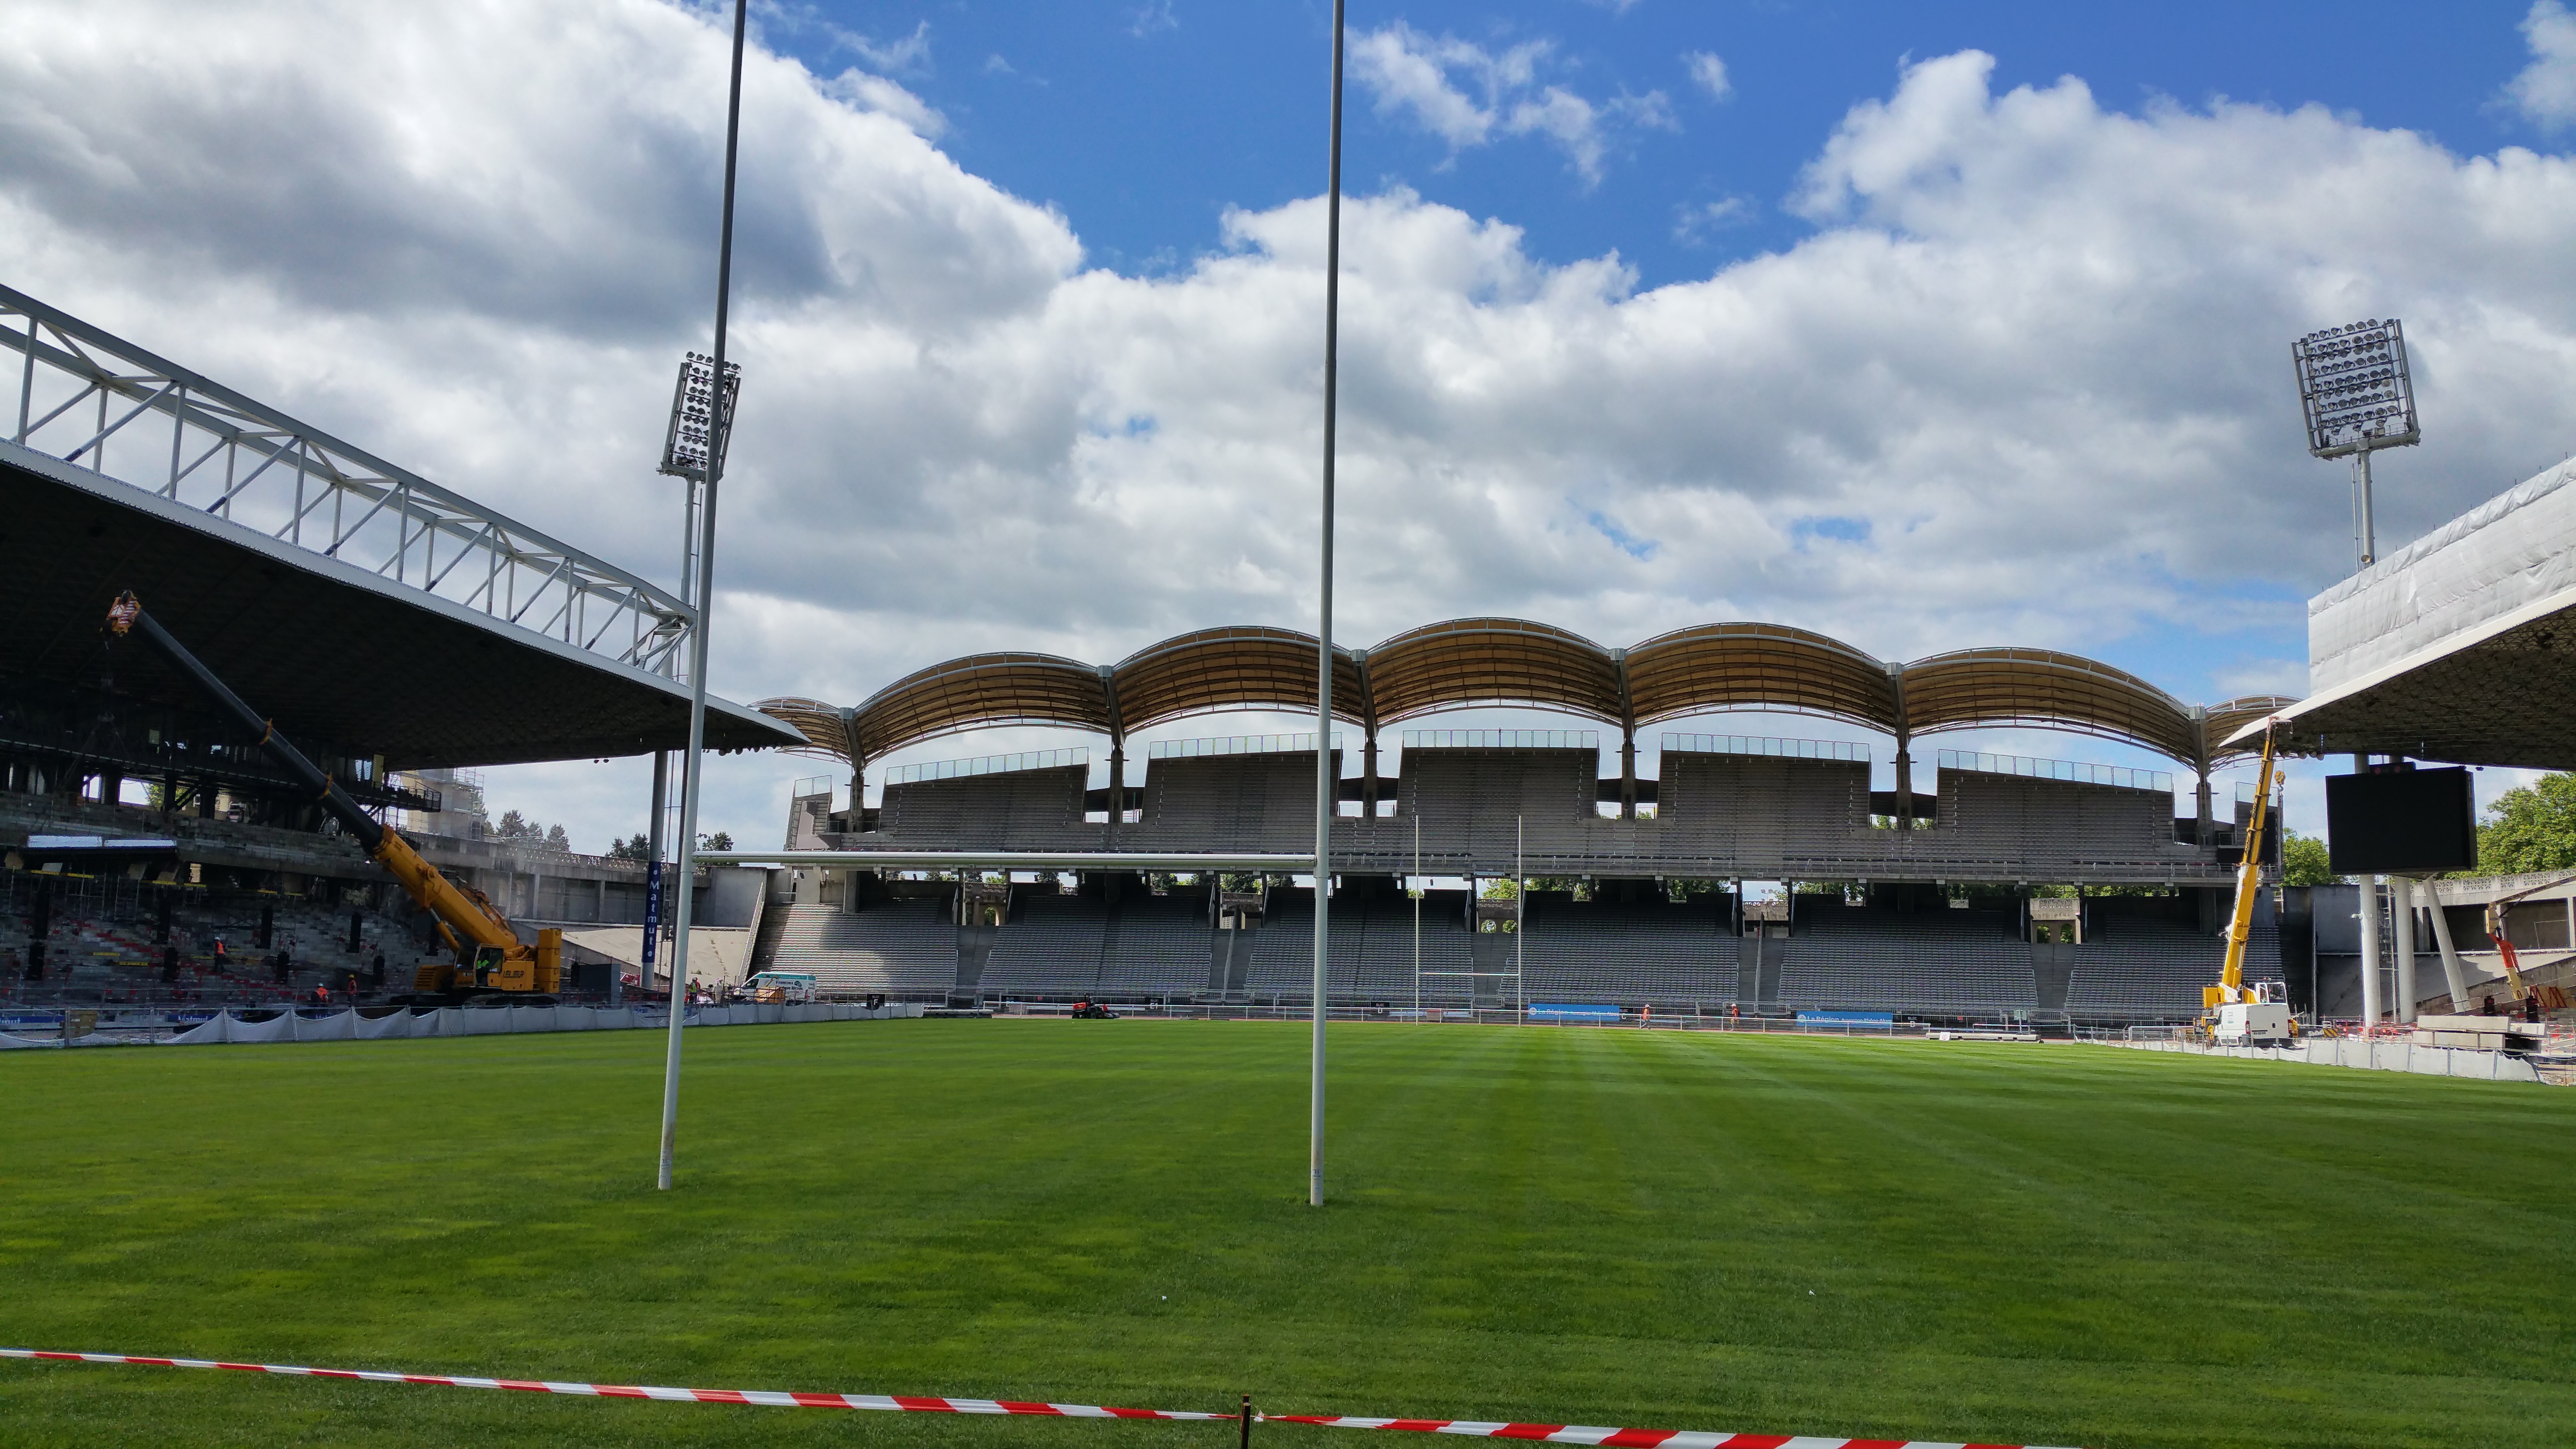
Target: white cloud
x,y
904,54
2545,91
876,93
1152,18
2026,383
1430,79
1697,222
1708,72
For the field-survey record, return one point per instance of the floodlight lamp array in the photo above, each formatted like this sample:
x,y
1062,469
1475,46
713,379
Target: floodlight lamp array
x,y
696,434
2354,388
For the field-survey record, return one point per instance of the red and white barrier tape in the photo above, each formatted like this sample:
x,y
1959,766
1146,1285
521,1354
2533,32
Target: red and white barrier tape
x,y
764,1398
767,1398
1619,1438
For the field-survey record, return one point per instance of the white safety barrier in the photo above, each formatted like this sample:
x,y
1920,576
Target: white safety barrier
x,y
224,1028
2367,1054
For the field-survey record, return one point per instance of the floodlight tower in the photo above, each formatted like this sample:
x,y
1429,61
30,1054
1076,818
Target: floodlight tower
x,y
695,440
2358,399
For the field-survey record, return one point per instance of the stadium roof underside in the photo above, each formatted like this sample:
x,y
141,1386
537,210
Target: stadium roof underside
x,y
331,650
1466,663
362,603
2461,647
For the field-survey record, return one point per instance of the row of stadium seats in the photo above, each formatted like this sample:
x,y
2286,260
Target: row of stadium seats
x,y
1839,957
102,943
904,949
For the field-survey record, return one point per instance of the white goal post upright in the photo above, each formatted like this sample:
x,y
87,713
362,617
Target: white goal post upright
x,y
1327,780
691,764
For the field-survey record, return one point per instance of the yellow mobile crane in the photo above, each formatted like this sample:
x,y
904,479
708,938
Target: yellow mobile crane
x,y
490,957
2239,1014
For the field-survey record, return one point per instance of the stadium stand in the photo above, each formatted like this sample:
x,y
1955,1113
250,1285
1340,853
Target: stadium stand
x,y
1657,952
1802,818
1052,947
1253,802
905,949
2152,967
1156,946
1010,810
1572,806
1842,957
1386,970
1997,821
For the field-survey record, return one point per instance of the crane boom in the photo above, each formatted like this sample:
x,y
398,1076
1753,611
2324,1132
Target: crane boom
x,y
2249,879
467,921
2241,1014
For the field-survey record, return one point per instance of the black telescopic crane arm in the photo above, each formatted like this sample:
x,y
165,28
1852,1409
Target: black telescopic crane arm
x,y
127,616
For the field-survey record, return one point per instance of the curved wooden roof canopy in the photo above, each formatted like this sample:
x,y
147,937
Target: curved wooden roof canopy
x,y
1466,663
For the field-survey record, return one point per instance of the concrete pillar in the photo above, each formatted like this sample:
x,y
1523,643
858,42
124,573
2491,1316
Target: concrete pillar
x,y
1904,783
1117,787
2370,949
858,769
2401,891
1368,776
2452,975
1627,774
2200,800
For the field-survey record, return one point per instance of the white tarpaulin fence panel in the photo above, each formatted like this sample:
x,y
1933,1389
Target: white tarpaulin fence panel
x,y
2516,549
226,1028
2368,1055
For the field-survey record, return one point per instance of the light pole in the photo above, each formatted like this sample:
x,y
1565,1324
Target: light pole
x,y
2357,397
721,382
1326,779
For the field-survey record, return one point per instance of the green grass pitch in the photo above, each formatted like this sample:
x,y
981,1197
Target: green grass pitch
x,y
2045,1244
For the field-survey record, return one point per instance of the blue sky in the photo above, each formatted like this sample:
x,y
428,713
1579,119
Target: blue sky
x,y
1145,122
1925,327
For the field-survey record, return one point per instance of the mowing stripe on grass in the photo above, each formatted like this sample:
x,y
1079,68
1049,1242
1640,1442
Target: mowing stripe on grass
x,y
1601,1438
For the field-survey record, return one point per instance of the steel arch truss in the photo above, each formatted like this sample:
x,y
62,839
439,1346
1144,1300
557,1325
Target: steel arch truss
x,y
89,397
1511,662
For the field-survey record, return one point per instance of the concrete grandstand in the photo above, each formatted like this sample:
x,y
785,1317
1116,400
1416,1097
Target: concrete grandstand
x,y
1898,901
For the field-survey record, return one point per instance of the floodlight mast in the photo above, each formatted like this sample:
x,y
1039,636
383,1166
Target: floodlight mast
x,y
694,441
2357,398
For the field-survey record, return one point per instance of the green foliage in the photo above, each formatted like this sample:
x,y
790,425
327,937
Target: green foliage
x,y
2304,861
638,847
515,826
720,841
1953,1242
2533,828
